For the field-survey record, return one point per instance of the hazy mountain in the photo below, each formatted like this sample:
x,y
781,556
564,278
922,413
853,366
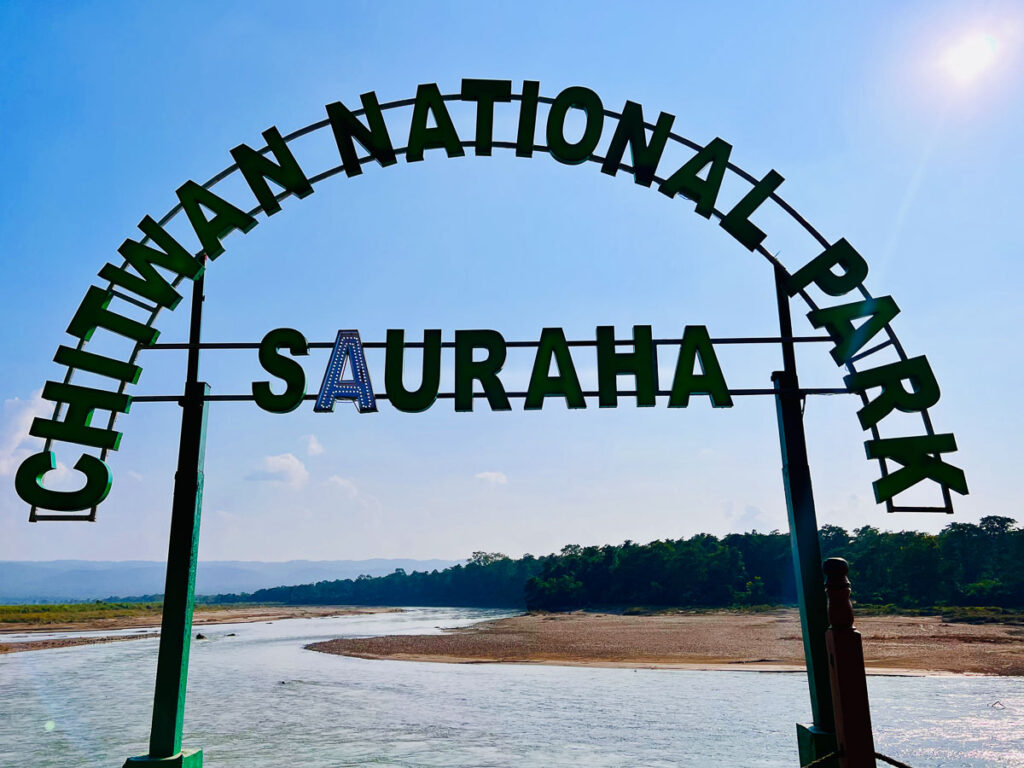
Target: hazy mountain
x,y
56,580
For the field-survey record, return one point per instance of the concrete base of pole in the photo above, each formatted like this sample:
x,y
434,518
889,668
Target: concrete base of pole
x,y
187,758
814,744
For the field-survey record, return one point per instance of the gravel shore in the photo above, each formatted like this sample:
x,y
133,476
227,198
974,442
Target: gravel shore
x,y
68,642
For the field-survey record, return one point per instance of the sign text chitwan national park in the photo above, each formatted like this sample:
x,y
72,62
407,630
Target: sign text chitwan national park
x,y
156,263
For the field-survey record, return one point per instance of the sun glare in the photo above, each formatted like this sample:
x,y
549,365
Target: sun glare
x,y
967,59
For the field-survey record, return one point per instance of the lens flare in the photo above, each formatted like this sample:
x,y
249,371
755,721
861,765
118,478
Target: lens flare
x,y
969,57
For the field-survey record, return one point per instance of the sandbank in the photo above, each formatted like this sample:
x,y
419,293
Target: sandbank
x,y
718,640
203,616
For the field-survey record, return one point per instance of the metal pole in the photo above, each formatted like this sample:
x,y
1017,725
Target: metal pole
x,y
182,555
817,740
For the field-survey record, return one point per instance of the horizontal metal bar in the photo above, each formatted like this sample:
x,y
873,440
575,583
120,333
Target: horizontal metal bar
x,y
513,344
132,300
512,395
802,392
40,518
765,340
871,351
940,510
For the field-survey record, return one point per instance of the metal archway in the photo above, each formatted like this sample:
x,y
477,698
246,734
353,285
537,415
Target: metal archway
x,y
175,635
891,338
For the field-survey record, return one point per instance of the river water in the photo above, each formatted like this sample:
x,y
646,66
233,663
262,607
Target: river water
x,y
259,699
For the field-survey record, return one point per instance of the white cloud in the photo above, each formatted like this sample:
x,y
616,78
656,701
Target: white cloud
x,y
366,501
285,468
313,446
343,484
495,478
134,475
17,418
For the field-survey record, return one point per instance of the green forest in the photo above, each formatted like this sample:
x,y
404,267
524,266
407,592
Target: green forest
x,y
966,564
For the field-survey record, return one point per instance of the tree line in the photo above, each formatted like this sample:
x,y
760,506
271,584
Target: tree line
x,y
966,564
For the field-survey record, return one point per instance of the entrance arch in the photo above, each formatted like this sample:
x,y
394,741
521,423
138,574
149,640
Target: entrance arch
x,y
630,130
138,283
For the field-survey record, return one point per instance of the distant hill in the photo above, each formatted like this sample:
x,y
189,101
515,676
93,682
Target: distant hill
x,y
70,580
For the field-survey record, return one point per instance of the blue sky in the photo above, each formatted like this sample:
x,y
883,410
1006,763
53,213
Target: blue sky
x,y
110,107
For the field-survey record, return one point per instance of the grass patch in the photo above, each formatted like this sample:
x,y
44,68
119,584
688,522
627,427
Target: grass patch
x,y
62,614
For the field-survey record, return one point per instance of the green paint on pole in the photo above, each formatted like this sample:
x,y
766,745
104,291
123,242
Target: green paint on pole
x,y
817,740
182,557
179,594
179,591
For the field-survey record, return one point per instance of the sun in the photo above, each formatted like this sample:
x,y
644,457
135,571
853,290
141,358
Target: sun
x,y
965,60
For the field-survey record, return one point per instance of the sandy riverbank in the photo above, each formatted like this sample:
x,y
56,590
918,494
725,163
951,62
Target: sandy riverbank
x,y
203,616
718,640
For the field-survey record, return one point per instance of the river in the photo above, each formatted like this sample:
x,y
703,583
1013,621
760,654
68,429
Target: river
x,y
257,698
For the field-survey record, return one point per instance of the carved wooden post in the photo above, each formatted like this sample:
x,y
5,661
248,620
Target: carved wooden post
x,y
846,669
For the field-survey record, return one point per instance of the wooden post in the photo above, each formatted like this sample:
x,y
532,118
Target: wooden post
x,y
846,669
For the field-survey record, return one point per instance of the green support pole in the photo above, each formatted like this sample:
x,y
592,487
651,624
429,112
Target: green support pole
x,y
182,556
817,740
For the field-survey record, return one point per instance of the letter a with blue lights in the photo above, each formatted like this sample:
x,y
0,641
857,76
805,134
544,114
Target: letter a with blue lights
x,y
358,389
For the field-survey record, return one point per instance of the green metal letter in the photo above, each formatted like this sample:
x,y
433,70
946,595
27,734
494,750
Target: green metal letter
x,y
485,371
697,348
631,131
226,217
150,284
374,139
284,368
640,363
29,483
838,321
394,364
686,180
98,364
924,391
579,98
81,402
566,384
485,93
256,169
527,118
441,136
819,271
737,221
92,313
919,463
